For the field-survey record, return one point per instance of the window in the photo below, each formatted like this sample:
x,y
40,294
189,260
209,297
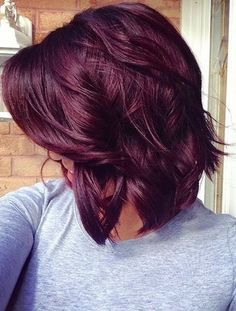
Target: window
x,y
209,27
4,115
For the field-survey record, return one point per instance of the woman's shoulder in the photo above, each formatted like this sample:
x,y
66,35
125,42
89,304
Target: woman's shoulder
x,y
42,189
31,202
200,216
200,224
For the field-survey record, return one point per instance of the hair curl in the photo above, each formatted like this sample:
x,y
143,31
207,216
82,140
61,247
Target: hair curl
x,y
118,91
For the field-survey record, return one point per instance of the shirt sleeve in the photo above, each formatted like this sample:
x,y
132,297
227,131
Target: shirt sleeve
x,y
20,214
232,248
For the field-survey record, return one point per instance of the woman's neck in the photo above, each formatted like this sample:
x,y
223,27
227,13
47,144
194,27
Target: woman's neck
x,y
128,225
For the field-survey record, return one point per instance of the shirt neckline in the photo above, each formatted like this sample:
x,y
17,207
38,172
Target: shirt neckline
x,y
110,244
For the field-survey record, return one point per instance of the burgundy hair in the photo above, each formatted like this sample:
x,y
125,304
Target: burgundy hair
x,y
118,91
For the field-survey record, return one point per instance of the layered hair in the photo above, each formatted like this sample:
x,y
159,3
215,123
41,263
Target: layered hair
x,y
118,91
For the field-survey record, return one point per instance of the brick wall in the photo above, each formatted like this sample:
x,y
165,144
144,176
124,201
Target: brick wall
x,y
20,159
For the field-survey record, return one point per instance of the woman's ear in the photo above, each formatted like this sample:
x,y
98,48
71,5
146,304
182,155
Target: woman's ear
x,y
54,156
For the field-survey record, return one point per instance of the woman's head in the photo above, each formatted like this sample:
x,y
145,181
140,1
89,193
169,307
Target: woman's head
x,y
118,92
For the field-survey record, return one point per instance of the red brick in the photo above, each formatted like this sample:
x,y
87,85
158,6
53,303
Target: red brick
x,y
15,145
14,129
4,128
39,36
49,20
27,166
47,4
8,184
27,12
156,4
175,22
5,166
39,150
84,4
31,166
106,2
163,3
170,12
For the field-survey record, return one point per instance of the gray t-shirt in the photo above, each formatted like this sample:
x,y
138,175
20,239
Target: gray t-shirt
x,y
49,262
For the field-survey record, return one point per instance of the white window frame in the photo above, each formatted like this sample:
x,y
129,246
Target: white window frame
x,y
4,115
195,22
195,28
229,177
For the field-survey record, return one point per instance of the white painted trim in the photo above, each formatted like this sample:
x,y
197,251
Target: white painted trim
x,y
195,28
5,116
229,185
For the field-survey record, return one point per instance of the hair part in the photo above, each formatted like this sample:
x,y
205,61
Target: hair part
x,y
118,91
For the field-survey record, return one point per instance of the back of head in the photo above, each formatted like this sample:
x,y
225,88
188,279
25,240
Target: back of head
x,y
118,91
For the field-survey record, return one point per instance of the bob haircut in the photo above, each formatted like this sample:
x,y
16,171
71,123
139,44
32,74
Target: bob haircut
x,y
118,91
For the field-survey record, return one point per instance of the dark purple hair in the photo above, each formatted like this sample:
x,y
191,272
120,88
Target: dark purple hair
x,y
118,91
